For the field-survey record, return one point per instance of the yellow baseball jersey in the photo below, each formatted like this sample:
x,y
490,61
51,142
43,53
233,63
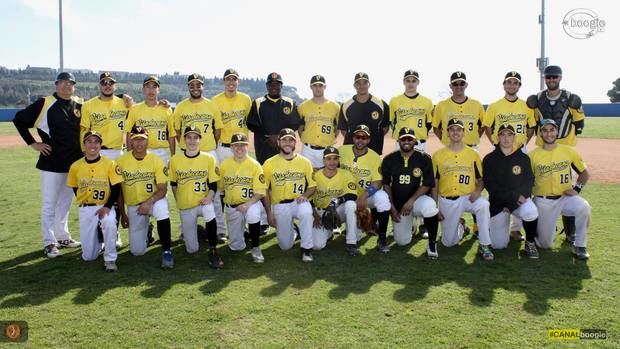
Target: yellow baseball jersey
x,y
365,169
456,172
204,114
157,120
571,138
234,113
413,112
192,176
241,181
470,112
515,113
328,188
287,179
93,180
140,177
320,121
107,118
552,169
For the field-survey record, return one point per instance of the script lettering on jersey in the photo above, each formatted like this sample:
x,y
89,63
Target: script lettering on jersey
x,y
544,170
456,169
245,182
152,123
357,172
406,113
131,178
93,183
462,117
319,118
191,175
322,194
233,115
280,178
510,118
186,118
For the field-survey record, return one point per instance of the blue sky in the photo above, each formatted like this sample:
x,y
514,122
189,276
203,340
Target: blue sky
x,y
298,39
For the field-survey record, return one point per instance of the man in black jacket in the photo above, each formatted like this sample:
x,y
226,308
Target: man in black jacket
x,y
508,177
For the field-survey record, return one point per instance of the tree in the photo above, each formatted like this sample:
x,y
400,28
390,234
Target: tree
x,y
614,93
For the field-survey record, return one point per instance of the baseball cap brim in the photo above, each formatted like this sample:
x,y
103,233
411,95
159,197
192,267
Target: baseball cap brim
x,y
457,79
139,136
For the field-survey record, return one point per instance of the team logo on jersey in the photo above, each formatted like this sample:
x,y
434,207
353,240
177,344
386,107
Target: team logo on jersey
x,y
261,178
516,169
77,113
351,186
118,171
374,115
286,110
417,172
166,170
217,170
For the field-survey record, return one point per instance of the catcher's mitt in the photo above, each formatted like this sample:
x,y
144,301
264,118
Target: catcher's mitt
x,y
364,220
330,219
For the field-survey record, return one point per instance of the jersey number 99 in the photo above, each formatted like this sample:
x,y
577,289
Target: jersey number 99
x,y
404,179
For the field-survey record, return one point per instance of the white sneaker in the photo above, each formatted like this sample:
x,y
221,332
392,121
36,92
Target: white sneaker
x,y
306,256
257,255
69,243
110,266
431,251
51,251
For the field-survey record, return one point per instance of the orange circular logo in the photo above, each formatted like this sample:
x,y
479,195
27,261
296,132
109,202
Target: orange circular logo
x,y
12,331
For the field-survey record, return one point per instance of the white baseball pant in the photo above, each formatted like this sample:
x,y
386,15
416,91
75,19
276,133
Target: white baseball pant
x,y
89,221
548,212
452,210
56,198
138,224
424,206
217,203
236,221
223,152
162,153
380,200
189,221
112,154
500,227
284,214
346,213
314,155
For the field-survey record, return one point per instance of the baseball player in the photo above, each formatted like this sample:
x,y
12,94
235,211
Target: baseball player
x,y
57,120
243,184
508,179
335,186
270,114
319,117
364,109
234,107
193,177
407,179
365,164
203,113
411,109
144,187
156,118
288,177
95,180
458,174
566,110
554,192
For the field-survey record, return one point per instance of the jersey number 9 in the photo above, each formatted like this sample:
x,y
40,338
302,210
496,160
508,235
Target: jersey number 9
x,y
149,187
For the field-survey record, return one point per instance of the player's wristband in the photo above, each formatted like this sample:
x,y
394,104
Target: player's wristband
x,y
578,187
371,190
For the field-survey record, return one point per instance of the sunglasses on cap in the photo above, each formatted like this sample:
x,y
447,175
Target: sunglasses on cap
x,y
458,83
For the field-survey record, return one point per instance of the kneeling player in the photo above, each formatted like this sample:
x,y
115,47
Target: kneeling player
x,y
336,188
193,177
96,183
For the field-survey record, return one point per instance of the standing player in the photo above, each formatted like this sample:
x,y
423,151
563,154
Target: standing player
x,y
365,164
234,107
408,178
319,120
565,109
364,109
554,192
145,183
57,120
412,110
193,178
509,179
154,117
269,115
96,180
288,178
243,184
336,187
458,173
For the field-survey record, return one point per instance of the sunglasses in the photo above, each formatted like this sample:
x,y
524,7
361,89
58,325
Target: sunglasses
x,y
362,138
106,83
551,77
460,83
406,139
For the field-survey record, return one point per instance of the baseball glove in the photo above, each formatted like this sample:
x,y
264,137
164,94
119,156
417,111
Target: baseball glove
x,y
330,219
364,220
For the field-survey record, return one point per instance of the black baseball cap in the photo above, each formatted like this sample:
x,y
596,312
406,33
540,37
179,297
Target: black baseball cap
x,y
287,132
361,76
92,133
455,122
239,138
506,127
406,132
106,75
513,75
274,77
552,70
317,79
361,128
411,72
138,132
458,76
231,72
65,76
195,77
544,122
150,78
192,129
329,151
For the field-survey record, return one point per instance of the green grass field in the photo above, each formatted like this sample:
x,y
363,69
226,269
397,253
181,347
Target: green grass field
x,y
374,301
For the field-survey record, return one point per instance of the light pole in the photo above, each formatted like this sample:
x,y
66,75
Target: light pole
x,y
543,61
62,64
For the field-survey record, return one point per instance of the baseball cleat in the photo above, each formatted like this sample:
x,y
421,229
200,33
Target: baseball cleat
x,y
383,247
263,229
352,250
110,266
221,238
580,252
423,231
69,243
306,256
485,252
257,255
51,251
431,250
167,262
531,251
215,261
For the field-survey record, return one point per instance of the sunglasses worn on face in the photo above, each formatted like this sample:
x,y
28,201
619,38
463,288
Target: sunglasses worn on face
x,y
406,139
363,138
458,84
106,83
551,77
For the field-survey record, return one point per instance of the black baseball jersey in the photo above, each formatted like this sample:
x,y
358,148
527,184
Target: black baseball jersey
x,y
406,175
374,113
505,178
267,117
57,122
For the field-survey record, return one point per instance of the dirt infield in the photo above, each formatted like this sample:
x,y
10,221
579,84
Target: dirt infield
x,y
601,155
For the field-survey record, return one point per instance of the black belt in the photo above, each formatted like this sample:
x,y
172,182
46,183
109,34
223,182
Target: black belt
x,y
225,145
233,206
451,197
315,147
551,197
472,145
287,201
87,205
